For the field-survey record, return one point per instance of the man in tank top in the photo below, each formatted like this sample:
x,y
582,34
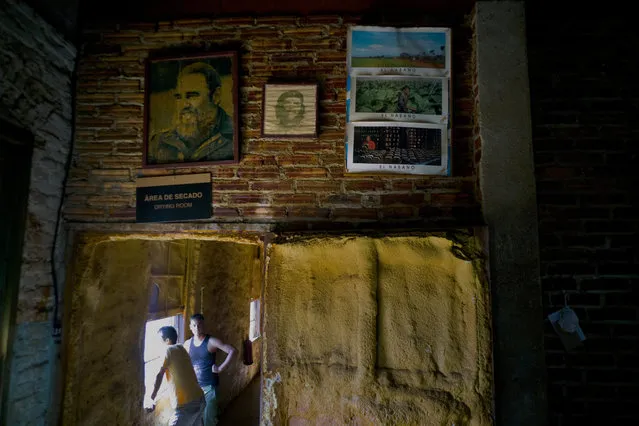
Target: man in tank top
x,y
202,349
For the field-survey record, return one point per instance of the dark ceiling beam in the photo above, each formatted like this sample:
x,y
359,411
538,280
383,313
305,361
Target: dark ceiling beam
x,y
167,10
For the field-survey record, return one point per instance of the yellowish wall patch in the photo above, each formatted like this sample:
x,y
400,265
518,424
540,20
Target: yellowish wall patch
x,y
375,331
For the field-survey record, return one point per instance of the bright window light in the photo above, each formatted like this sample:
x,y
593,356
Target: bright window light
x,y
254,325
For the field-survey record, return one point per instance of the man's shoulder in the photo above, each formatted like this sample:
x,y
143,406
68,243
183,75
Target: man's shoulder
x,y
177,347
168,144
217,147
212,340
164,134
176,351
168,353
172,348
226,122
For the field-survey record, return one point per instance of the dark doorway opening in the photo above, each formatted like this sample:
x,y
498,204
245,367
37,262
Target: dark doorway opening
x,y
16,146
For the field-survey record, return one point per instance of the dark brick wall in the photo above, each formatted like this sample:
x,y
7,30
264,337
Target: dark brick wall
x,y
585,105
288,182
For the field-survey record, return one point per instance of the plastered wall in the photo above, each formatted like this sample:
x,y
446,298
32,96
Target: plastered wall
x,y
372,331
104,369
229,275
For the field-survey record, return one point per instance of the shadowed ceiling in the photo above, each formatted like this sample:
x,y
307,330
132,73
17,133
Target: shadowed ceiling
x,y
174,9
68,15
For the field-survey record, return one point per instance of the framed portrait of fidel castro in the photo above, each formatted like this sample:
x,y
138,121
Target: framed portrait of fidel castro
x,y
191,110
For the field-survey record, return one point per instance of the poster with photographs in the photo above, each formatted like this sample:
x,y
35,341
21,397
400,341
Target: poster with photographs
x,y
399,51
290,110
399,98
405,148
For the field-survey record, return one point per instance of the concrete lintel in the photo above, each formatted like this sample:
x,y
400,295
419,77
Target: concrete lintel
x,y
507,183
182,227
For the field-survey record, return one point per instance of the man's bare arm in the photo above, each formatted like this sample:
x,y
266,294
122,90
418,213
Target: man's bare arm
x,y
158,382
230,353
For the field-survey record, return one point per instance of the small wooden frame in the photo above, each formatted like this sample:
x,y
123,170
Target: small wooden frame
x,y
290,110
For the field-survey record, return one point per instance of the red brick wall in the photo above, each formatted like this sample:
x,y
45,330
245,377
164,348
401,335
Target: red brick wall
x,y
585,105
276,180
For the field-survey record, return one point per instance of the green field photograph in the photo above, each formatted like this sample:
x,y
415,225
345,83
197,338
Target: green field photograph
x,y
399,95
381,47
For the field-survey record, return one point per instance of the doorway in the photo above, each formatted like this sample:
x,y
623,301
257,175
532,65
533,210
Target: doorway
x,y
123,290
15,167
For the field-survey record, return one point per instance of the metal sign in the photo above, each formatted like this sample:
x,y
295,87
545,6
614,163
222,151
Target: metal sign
x,y
174,198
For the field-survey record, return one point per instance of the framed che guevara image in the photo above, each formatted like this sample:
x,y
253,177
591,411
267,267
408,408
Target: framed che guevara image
x,y
290,110
191,110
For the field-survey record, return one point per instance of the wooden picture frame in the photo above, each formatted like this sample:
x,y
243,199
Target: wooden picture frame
x,y
290,110
186,123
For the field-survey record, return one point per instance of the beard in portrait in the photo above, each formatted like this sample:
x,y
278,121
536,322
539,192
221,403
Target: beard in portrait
x,y
202,130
